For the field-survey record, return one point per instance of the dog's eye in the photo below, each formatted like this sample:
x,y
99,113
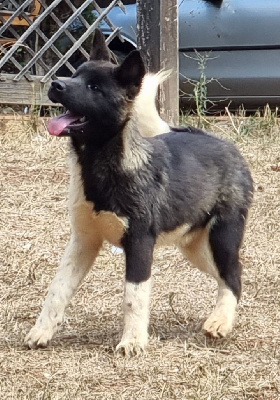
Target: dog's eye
x,y
93,86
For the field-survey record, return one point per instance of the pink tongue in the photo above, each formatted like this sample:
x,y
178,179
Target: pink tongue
x,y
57,125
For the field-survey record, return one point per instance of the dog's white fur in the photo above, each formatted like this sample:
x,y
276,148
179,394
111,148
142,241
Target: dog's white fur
x,y
220,322
89,230
136,317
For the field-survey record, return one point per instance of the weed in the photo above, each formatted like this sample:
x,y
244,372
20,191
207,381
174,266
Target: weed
x,y
200,88
263,122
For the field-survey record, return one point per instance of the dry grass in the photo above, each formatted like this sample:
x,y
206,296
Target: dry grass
x,y
180,362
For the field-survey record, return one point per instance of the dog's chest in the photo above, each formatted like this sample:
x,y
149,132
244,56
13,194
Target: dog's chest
x,y
105,224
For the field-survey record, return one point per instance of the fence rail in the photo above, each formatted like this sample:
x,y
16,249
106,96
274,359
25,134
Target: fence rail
x,y
32,33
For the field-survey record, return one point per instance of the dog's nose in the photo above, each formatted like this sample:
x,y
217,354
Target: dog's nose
x,y
58,85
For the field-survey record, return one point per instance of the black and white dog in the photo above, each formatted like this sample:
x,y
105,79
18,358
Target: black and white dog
x,y
184,187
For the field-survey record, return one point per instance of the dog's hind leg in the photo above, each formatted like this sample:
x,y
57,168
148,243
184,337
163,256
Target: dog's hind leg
x,y
215,250
80,253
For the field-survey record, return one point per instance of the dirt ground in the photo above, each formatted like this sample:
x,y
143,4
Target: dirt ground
x,y
180,362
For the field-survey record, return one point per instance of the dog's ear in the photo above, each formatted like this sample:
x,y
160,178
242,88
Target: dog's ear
x,y
131,72
99,50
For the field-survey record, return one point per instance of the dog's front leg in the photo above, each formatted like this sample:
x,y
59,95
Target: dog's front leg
x,y
139,255
76,262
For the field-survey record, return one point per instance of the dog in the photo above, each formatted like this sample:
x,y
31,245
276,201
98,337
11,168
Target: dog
x,y
137,187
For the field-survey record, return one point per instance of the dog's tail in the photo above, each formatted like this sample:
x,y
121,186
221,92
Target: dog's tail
x,y
148,119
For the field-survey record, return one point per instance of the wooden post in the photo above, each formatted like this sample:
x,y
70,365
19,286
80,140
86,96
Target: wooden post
x,y
157,25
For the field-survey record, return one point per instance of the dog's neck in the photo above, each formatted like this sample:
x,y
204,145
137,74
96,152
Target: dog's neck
x,y
144,121
123,145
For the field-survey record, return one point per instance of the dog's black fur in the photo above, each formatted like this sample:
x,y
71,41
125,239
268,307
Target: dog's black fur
x,y
182,178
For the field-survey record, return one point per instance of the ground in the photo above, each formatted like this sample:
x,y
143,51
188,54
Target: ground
x,y
180,362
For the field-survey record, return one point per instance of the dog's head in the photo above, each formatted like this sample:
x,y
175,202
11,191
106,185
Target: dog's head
x,y
99,94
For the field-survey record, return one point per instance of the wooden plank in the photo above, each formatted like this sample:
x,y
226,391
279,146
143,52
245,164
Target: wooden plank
x,y
169,60
148,33
20,117
157,23
23,92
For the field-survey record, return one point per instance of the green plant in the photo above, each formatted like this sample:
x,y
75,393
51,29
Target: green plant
x,y
200,88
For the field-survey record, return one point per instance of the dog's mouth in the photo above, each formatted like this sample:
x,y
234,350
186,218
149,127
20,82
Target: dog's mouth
x,y
64,124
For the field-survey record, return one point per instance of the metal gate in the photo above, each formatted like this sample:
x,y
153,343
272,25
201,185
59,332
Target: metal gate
x,y
31,53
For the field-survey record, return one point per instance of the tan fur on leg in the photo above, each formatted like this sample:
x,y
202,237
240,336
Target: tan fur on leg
x,y
76,262
198,251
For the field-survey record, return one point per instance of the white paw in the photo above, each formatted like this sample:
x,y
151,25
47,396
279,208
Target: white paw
x,y
131,348
38,337
133,343
218,325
